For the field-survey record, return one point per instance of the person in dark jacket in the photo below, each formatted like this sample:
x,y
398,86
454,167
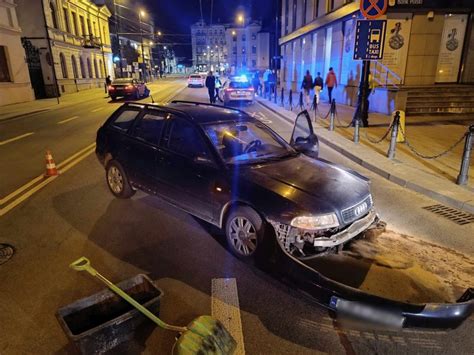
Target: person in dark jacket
x,y
108,82
211,87
318,86
307,85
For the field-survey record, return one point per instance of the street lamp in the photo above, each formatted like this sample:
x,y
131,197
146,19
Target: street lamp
x,y
141,14
240,19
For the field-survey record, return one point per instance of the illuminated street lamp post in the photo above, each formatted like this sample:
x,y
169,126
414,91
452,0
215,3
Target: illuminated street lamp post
x,y
234,36
141,14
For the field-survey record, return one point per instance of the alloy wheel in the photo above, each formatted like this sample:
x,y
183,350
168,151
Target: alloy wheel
x,y
115,179
243,236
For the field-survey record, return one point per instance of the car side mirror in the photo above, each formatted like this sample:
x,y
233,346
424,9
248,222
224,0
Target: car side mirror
x,y
308,146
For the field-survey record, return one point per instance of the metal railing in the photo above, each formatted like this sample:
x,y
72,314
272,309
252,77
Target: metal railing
x,y
384,76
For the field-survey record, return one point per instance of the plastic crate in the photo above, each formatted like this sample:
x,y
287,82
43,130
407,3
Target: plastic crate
x,y
100,322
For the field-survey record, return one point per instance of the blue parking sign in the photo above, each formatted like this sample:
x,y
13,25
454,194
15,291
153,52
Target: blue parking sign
x,y
369,39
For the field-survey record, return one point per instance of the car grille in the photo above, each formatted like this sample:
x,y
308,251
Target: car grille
x,y
355,212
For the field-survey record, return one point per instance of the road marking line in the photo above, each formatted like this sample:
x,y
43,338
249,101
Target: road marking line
x,y
225,307
67,164
97,109
68,119
16,138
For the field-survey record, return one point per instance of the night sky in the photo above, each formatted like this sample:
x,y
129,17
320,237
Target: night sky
x,y
176,16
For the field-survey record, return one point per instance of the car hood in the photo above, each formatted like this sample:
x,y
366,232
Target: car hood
x,y
312,184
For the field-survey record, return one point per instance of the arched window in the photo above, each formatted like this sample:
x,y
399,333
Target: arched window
x,y
62,61
101,67
83,69
89,68
95,68
52,8
74,67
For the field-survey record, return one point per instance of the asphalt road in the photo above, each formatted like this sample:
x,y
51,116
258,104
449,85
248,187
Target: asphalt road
x,y
76,215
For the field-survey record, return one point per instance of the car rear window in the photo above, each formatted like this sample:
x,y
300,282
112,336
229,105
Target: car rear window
x,y
239,84
195,76
122,81
124,119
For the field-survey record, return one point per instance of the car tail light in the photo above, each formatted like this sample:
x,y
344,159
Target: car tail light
x,y
129,87
111,87
229,90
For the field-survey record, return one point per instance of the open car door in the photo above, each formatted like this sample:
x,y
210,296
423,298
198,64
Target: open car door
x,y
303,138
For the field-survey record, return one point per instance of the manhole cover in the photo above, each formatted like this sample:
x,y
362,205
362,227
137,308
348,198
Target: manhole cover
x,y
452,214
6,252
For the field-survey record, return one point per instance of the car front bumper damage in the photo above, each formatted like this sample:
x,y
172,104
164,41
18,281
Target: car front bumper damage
x,y
350,302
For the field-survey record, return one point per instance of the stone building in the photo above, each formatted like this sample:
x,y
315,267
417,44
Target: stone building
x,y
428,60
15,83
71,41
208,46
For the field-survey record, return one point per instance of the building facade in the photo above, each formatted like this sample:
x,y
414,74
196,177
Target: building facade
x,y
429,43
15,83
209,46
248,47
71,41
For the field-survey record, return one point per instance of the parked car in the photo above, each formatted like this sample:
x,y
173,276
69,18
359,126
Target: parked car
x,y
277,203
237,89
196,80
128,87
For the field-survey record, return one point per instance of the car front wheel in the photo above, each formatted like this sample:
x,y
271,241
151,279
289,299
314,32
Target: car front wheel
x,y
244,231
117,180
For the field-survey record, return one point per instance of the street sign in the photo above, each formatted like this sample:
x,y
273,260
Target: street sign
x,y
372,9
369,39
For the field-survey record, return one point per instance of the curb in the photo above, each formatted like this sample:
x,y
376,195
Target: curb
x,y
467,206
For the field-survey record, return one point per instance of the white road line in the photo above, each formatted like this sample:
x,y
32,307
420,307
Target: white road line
x,y
68,119
97,109
225,307
16,138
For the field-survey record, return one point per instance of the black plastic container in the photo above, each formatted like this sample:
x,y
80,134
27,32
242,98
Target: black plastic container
x,y
100,322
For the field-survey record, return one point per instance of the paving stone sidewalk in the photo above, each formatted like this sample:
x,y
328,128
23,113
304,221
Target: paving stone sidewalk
x,y
428,135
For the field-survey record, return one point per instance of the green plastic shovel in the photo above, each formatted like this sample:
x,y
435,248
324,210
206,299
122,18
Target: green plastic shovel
x,y
204,335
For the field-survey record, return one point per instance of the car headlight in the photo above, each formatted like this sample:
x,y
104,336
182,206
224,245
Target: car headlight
x,y
322,221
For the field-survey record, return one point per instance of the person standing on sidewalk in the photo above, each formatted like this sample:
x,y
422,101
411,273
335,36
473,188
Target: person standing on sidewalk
x,y
211,87
331,82
266,85
108,82
272,79
318,86
307,85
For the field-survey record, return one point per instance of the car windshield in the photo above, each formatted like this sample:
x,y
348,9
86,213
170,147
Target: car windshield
x,y
239,84
246,142
122,81
195,76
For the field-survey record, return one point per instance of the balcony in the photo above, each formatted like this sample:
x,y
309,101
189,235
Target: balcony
x,y
91,42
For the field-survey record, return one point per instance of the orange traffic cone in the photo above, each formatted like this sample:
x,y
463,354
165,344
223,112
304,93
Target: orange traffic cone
x,y
50,165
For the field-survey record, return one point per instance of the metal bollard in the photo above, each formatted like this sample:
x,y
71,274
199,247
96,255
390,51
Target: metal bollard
x,y
300,103
275,95
393,139
466,158
315,108
332,115
356,130
290,99
282,97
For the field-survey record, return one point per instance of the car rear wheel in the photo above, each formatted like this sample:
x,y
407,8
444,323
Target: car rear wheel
x,y
244,232
117,180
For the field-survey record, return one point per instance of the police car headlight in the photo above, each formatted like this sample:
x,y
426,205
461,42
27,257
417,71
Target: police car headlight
x,y
322,221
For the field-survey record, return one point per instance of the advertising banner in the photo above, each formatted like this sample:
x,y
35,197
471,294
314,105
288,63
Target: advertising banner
x,y
449,58
397,42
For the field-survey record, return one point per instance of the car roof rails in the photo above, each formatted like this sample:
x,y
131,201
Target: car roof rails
x,y
206,104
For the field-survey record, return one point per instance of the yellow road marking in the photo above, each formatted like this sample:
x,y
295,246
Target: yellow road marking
x,y
225,307
64,165
68,119
16,138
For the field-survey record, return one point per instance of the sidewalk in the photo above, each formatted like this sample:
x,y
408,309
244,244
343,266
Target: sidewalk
x,y
29,108
434,178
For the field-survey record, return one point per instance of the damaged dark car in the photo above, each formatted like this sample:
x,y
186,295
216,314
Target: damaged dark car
x,y
275,201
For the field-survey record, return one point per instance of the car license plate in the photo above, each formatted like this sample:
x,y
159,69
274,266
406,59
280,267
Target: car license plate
x,y
367,312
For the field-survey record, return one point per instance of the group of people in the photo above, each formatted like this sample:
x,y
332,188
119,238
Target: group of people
x,y
317,84
213,84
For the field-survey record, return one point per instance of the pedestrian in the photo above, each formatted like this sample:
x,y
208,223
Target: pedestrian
x,y
272,79
108,82
331,82
256,82
161,73
266,84
318,86
218,87
211,87
307,85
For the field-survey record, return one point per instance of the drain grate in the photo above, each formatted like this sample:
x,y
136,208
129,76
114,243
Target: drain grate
x,y
6,252
452,214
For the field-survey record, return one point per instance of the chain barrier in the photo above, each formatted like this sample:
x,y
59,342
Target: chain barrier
x,y
341,125
436,156
377,141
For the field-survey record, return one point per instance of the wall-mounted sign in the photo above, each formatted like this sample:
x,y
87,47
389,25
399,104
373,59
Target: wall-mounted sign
x,y
369,39
372,9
